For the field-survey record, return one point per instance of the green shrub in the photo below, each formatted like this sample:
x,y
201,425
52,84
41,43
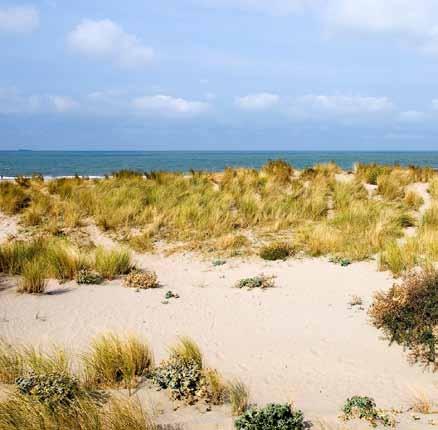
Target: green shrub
x,y
362,407
260,281
408,315
271,417
53,389
87,276
113,263
276,251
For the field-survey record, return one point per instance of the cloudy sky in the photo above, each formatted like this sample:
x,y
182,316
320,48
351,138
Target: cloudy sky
x,y
219,74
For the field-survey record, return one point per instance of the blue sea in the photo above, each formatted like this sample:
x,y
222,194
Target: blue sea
x,y
99,163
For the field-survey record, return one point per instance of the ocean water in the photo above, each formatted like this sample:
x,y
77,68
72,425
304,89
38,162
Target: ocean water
x,y
98,163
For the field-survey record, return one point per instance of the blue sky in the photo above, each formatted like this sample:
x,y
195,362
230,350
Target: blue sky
x,y
219,74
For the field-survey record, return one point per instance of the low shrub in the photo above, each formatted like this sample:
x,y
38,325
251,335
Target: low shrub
x,y
143,280
186,379
33,279
53,389
362,407
113,263
113,361
260,281
271,417
276,251
89,277
408,315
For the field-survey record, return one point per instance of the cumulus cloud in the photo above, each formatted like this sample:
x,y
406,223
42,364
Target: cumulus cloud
x,y
257,102
18,19
106,40
341,104
168,105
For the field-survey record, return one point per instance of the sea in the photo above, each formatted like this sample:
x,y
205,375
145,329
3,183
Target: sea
x,y
100,163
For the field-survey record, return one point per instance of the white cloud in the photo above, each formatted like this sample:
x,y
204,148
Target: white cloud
x,y
167,105
106,40
416,21
412,116
18,19
63,104
340,104
257,102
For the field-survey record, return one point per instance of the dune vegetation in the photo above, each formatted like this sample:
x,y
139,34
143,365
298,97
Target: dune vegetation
x,y
316,211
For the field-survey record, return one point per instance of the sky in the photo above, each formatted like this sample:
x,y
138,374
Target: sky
x,y
219,75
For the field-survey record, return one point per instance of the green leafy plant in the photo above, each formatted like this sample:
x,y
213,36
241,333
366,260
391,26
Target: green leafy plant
x,y
260,281
53,389
271,417
344,262
87,276
362,407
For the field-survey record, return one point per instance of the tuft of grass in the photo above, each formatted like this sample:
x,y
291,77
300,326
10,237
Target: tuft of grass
x,y
142,242
430,217
112,263
421,402
17,362
13,198
215,390
239,397
21,412
399,258
33,279
276,251
62,261
114,361
186,350
413,200
15,255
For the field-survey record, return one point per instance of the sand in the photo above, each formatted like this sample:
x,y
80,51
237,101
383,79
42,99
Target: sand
x,y
300,341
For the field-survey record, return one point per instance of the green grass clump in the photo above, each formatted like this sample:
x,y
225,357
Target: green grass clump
x,y
114,361
362,407
271,417
63,261
408,315
33,279
400,258
276,251
112,263
16,254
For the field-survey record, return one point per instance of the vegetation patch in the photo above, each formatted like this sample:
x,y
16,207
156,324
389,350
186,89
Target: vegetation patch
x,y
408,315
362,407
276,251
142,280
271,417
261,281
